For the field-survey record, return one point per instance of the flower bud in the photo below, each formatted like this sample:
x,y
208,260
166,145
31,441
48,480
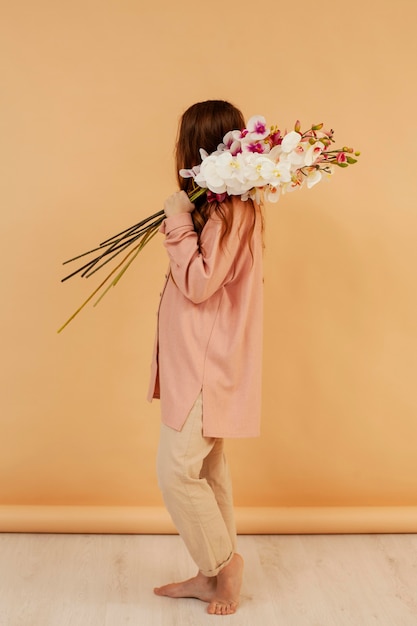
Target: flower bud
x,y
341,157
317,126
297,126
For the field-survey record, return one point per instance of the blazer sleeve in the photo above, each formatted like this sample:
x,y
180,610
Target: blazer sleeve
x,y
200,270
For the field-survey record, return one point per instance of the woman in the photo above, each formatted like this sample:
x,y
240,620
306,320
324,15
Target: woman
x,y
207,360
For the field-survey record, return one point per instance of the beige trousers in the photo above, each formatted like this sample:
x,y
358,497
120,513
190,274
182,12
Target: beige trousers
x,y
195,482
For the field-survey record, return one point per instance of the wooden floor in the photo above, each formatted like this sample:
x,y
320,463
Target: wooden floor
x,y
307,580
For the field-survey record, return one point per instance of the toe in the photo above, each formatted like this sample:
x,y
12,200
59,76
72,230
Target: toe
x,y
211,609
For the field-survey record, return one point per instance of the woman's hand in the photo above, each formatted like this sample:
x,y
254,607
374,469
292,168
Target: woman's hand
x,y
178,202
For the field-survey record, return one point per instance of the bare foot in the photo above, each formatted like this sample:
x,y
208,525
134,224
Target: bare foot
x,y
227,594
200,587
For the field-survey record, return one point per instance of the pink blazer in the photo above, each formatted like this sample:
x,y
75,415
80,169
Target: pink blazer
x,y
209,335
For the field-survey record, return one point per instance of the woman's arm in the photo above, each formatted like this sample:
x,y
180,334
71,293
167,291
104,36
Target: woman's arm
x,y
199,269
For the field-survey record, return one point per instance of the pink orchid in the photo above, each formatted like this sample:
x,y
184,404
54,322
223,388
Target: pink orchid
x,y
257,128
256,148
275,138
232,142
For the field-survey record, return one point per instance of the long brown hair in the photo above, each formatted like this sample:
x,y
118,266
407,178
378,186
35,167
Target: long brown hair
x,y
203,125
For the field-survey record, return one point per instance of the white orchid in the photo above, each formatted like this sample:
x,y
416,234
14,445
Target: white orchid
x,y
296,157
290,141
254,194
223,172
313,152
272,194
192,173
208,175
259,169
313,177
259,160
275,173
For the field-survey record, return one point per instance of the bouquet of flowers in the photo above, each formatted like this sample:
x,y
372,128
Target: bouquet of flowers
x,y
254,163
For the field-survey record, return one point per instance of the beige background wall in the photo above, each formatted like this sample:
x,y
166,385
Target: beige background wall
x,y
91,96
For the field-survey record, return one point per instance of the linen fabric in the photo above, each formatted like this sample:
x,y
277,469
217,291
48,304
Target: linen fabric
x,y
209,333
196,486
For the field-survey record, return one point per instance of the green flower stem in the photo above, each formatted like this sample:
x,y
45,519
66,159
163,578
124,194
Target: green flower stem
x,y
147,237
80,308
136,250
142,232
196,193
159,214
122,235
120,247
